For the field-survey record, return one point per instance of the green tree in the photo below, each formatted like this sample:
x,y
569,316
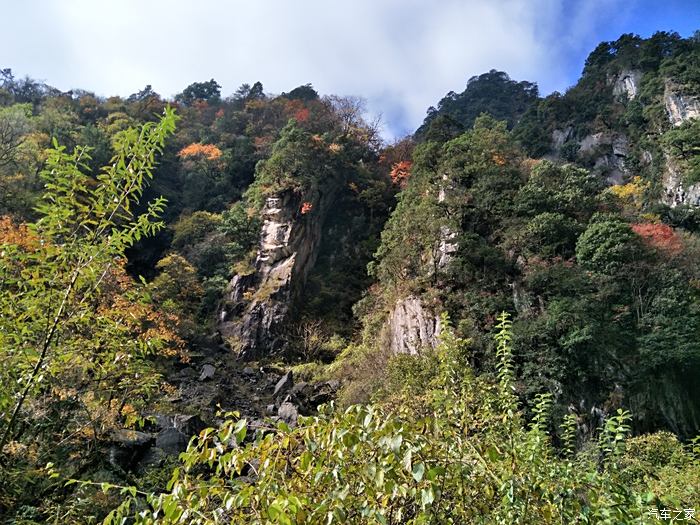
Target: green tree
x,y
49,289
209,91
607,245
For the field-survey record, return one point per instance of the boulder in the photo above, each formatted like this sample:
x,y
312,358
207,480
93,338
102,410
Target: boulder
x,y
288,413
171,441
284,384
128,447
207,372
189,425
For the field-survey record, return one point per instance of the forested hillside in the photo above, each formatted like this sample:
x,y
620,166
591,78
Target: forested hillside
x,y
494,320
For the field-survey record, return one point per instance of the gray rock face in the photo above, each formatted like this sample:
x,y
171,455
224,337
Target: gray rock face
x,y
627,83
593,141
448,237
612,150
560,136
680,107
675,191
411,327
256,305
523,301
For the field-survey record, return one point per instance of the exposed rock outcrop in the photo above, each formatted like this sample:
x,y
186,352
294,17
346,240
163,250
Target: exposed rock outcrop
x,y
679,106
610,151
411,327
626,84
560,136
256,305
448,237
675,191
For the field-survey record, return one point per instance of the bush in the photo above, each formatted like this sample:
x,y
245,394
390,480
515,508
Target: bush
x,y
452,448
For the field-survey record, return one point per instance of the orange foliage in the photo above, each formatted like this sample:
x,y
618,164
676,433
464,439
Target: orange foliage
x,y
196,149
306,207
142,319
220,113
498,159
400,172
528,164
297,110
17,235
659,236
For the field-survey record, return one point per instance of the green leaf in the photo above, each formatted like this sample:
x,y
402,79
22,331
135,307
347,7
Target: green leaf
x,y
434,472
427,496
418,471
395,443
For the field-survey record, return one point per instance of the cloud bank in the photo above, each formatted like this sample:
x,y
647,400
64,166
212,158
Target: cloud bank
x,y
401,55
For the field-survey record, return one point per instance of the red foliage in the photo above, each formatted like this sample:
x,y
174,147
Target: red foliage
x,y
297,110
400,172
220,113
659,236
306,207
302,115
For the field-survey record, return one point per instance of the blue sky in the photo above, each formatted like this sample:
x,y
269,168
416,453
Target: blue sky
x,y
400,55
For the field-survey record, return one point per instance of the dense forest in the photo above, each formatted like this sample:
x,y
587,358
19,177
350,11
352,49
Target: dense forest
x,y
252,309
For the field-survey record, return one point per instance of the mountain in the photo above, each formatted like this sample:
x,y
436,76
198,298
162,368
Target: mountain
x,y
503,308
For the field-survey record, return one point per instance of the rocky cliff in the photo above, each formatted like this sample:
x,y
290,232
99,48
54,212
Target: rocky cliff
x,y
410,327
680,108
626,84
256,305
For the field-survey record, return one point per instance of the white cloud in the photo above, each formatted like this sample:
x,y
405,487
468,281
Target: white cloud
x,y
402,55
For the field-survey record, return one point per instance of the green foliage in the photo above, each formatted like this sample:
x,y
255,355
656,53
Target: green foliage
x,y
441,451
567,190
305,92
200,91
551,234
72,325
684,143
241,228
193,229
493,93
607,245
298,163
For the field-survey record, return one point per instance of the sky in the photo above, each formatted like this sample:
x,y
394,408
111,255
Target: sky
x,y
402,56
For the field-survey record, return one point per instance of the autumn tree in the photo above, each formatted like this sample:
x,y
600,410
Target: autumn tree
x,y
73,326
